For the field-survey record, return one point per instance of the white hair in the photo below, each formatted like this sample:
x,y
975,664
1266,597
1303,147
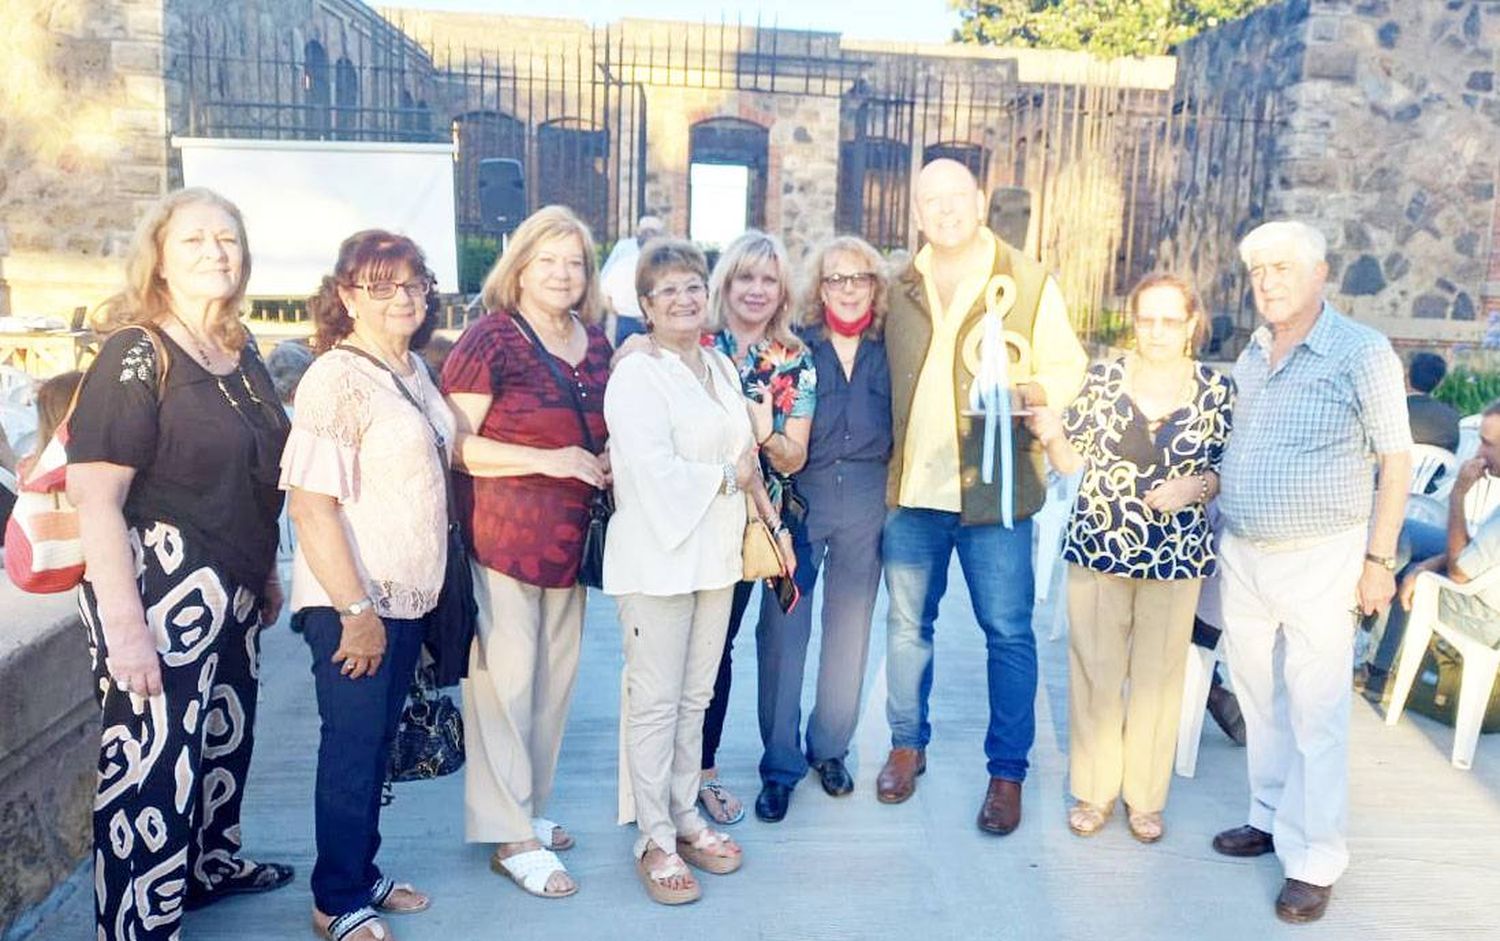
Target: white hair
x,y
1308,241
648,227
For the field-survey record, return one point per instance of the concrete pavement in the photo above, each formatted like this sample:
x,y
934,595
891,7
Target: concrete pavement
x,y
1425,836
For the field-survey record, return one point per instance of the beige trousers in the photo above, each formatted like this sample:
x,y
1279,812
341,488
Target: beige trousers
x,y
521,672
1123,631
672,649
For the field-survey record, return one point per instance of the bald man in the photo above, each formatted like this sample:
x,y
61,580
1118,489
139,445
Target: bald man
x,y
938,497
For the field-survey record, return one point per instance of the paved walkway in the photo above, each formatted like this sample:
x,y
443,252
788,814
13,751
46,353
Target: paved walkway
x,y
1425,836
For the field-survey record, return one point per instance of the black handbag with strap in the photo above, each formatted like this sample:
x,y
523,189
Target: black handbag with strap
x,y
448,629
602,504
429,740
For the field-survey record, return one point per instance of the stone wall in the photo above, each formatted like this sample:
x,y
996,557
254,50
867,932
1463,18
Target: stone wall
x,y
49,744
1383,117
82,144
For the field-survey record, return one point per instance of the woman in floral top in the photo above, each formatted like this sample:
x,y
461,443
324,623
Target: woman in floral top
x,y
1148,430
750,314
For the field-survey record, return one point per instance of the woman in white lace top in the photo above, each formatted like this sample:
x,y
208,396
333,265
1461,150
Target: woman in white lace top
x,y
365,466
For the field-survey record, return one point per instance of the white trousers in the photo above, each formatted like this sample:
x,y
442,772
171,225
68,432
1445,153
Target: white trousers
x,y
1289,627
672,649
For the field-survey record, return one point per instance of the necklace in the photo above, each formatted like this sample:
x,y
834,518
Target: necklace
x,y
200,348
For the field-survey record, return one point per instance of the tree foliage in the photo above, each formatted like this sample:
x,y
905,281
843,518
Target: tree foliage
x,y
1106,28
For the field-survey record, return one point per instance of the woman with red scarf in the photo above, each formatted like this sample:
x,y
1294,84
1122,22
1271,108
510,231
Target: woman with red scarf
x,y
844,484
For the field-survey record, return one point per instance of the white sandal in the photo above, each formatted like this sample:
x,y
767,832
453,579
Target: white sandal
x,y
546,833
696,852
531,870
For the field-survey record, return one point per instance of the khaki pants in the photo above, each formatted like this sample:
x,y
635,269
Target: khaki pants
x,y
516,698
672,648
1135,631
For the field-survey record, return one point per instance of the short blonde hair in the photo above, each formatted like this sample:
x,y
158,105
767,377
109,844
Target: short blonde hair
x,y
502,286
753,247
812,282
144,299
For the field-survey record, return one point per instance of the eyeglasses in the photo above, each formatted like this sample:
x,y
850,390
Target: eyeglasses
x,y
669,293
385,290
862,280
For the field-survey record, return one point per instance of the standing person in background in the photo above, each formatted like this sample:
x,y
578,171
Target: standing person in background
x,y
940,500
365,468
527,478
173,456
617,280
750,316
1432,421
1319,417
844,482
1148,431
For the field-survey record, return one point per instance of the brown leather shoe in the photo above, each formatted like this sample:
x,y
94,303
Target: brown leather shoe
x,y
1001,811
1301,902
1244,841
898,779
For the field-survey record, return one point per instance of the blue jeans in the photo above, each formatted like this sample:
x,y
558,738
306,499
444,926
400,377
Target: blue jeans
x,y
996,563
358,725
627,327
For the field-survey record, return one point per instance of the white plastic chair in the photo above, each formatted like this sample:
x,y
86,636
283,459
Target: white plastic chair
x,y
1480,662
1468,437
1482,500
1426,461
1195,687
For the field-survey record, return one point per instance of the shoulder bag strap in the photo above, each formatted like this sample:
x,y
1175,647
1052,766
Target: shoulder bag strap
x,y
437,436
562,381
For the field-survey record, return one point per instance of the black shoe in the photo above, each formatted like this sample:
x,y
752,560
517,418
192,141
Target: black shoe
x,y
1244,841
1301,902
1225,709
1375,685
835,777
771,805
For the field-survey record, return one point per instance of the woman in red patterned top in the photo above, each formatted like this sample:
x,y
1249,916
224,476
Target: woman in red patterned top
x,y
527,475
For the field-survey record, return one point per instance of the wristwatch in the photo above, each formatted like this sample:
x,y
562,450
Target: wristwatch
x,y
1384,561
731,486
357,608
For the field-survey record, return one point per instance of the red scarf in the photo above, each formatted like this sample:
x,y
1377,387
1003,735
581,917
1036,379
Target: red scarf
x,y
847,328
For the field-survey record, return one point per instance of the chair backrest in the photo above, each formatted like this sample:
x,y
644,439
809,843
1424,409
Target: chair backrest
x,y
1427,461
1468,436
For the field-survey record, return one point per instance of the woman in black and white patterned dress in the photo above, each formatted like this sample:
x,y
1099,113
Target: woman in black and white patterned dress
x,y
173,456
1148,430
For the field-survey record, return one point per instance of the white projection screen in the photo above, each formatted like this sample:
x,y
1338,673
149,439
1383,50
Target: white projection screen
x,y
301,199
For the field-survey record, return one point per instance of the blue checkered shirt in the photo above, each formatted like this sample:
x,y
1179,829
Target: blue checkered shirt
x,y
1300,461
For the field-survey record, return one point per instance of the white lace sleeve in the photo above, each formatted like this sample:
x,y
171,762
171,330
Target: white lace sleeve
x,y
329,418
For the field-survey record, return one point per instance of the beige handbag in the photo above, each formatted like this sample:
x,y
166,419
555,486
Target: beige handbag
x,y
761,554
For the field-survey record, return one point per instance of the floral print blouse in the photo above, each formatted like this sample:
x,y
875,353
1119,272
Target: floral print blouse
x,y
791,377
1112,530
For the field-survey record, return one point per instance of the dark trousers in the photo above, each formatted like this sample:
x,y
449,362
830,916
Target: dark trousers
x,y
358,725
172,767
850,559
718,707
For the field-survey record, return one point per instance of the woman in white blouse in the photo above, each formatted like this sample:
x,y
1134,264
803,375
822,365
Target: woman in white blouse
x,y
683,457
365,466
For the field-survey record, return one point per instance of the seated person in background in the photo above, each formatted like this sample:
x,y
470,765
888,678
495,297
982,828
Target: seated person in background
x,y
1432,422
286,364
1464,560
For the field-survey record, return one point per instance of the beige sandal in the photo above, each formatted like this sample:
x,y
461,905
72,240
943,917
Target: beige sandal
x,y
1087,819
1145,825
696,852
655,881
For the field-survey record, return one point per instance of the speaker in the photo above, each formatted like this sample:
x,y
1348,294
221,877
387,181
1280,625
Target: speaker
x,y
1010,214
502,194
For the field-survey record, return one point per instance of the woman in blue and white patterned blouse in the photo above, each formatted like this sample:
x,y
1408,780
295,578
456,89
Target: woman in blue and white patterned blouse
x,y
1148,430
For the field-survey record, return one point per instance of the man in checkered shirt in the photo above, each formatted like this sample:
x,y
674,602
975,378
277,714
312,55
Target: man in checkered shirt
x,y
1314,484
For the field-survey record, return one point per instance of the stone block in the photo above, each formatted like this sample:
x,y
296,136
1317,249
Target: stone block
x,y
1333,63
1430,307
1363,278
1323,29
136,56
1388,34
1481,81
140,180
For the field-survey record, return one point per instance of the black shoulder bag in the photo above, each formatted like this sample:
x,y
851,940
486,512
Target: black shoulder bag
x,y
602,505
448,629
